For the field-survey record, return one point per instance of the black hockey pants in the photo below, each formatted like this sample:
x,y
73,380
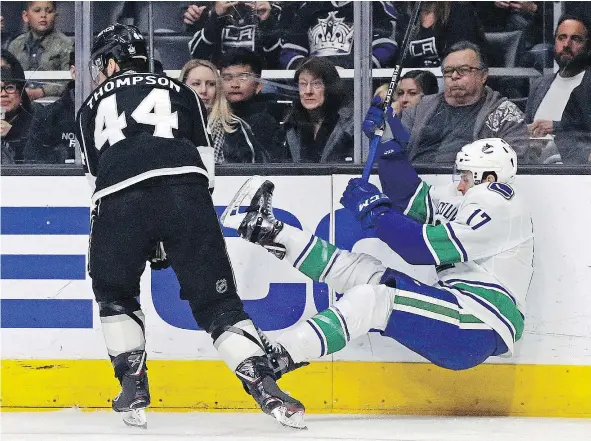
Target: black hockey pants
x,y
127,225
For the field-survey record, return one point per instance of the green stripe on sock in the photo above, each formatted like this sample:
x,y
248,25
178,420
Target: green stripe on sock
x,y
436,309
442,245
330,325
418,208
317,259
501,301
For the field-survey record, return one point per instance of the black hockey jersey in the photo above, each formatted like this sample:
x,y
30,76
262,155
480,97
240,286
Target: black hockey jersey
x,y
136,126
325,29
239,28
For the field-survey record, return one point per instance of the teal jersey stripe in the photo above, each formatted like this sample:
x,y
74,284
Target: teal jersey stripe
x,y
331,327
441,244
418,207
436,309
317,259
501,301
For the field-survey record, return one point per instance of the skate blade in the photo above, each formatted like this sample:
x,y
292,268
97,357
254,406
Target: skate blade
x,y
289,418
135,418
231,218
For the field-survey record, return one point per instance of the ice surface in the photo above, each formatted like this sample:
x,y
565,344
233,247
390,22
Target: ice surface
x,y
70,425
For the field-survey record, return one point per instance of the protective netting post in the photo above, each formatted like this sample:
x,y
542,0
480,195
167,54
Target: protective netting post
x,y
83,37
362,83
151,36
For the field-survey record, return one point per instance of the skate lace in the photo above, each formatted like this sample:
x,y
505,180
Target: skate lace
x,y
270,346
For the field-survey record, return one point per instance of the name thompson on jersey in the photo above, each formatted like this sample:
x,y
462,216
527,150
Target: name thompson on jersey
x,y
138,126
131,80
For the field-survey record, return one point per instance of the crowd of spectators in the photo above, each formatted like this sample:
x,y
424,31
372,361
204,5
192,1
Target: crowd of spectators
x,y
310,119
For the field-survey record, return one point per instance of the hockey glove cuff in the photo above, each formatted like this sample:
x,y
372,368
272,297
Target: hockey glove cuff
x,y
374,117
395,137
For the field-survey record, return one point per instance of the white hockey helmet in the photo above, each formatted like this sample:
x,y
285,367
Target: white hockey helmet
x,y
488,155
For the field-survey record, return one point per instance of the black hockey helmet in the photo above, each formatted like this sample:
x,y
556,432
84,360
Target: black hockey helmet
x,y
123,43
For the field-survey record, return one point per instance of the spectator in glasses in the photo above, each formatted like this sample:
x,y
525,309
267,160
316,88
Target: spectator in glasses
x,y
232,137
319,128
15,115
465,111
241,72
7,59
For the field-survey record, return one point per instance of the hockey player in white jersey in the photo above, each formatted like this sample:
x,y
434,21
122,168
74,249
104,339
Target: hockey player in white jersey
x,y
477,232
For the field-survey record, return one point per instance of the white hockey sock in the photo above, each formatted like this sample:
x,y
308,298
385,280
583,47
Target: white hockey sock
x,y
234,347
306,252
320,335
360,309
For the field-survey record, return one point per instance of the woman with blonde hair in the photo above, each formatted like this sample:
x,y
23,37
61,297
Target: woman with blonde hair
x,y
232,137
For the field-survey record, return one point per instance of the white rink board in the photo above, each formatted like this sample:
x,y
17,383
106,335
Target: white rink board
x,y
558,320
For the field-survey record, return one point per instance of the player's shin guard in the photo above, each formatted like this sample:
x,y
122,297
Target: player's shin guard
x,y
241,348
359,310
124,333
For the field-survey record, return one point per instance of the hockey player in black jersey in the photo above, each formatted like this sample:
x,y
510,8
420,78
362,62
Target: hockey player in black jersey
x,y
150,161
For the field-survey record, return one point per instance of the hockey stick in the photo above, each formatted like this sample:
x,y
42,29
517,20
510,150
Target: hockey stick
x,y
411,31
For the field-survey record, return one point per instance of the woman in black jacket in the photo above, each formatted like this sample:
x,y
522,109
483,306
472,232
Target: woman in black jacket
x,y
319,128
443,23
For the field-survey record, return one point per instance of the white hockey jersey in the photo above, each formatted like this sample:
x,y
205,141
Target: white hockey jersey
x,y
483,245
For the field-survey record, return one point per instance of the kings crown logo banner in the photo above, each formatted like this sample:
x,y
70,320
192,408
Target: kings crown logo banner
x,y
331,36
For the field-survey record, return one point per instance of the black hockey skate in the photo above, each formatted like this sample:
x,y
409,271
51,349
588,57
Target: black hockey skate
x,y
134,397
257,224
256,374
282,362
280,359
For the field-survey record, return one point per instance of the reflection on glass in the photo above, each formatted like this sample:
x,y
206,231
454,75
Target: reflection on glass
x,y
517,41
